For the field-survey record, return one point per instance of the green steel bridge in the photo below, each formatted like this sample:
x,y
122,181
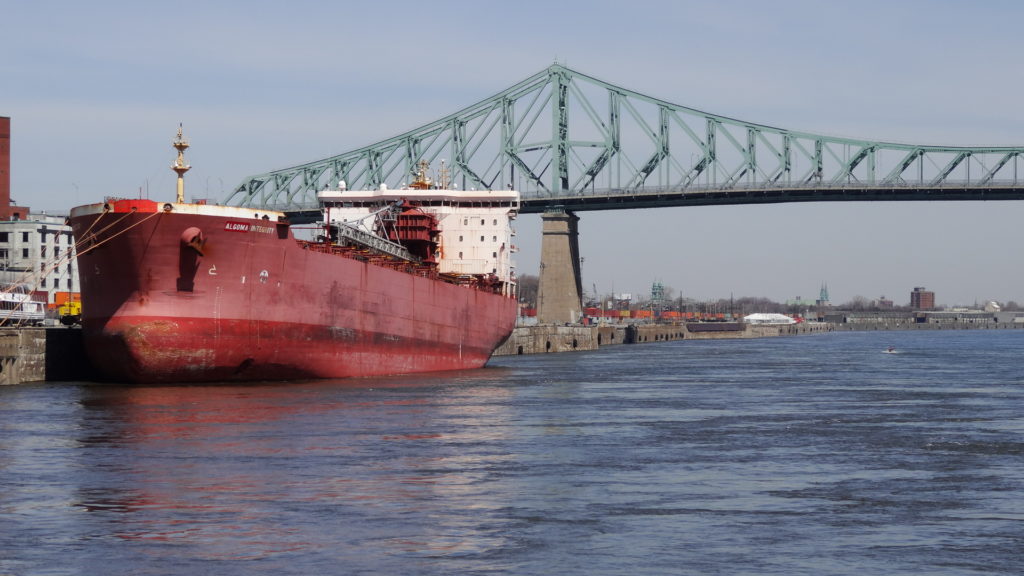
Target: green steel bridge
x,y
572,142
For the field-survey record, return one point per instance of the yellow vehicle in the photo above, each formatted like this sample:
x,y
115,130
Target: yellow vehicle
x,y
70,313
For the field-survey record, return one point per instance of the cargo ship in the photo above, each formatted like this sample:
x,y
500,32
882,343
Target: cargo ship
x,y
391,281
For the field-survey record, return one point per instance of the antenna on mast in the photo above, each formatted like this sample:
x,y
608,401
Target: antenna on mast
x,y
180,144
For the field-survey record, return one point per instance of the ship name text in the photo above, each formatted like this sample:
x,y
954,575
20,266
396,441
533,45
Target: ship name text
x,y
246,227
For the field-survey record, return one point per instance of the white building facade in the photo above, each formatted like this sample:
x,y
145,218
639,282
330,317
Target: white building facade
x,y
39,254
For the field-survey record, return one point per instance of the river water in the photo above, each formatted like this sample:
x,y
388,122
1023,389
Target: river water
x,y
811,455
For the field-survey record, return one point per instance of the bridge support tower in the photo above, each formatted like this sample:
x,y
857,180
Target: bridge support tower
x,y
560,290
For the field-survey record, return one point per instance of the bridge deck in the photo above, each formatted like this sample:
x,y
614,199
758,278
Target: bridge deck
x,y
611,200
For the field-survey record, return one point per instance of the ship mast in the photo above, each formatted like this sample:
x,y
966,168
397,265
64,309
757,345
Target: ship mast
x,y
179,165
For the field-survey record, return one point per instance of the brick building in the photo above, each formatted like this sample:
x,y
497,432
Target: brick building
x,y
7,212
921,299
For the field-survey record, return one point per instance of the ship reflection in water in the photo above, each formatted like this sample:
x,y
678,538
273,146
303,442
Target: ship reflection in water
x,y
267,471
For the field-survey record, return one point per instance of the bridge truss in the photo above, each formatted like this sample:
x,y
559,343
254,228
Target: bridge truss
x,y
566,139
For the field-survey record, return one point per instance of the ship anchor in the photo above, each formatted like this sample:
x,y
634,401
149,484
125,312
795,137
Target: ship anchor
x,y
193,238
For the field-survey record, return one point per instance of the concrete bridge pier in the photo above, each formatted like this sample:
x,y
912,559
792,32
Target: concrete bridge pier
x,y
560,290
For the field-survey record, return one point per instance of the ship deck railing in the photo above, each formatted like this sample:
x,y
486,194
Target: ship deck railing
x,y
486,283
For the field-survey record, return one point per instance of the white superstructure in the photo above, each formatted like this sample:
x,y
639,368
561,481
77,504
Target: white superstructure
x,y
475,225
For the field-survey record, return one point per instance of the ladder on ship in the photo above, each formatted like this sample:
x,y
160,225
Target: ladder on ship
x,y
373,242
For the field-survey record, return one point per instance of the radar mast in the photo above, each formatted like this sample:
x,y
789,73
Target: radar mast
x,y
180,144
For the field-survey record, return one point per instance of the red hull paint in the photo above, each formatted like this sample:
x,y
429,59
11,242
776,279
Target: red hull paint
x,y
256,305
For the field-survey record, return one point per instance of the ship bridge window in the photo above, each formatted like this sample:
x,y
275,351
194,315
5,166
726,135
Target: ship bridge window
x,y
482,222
3,237
495,221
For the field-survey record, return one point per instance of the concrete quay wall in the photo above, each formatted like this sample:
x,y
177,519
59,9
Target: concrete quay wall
x,y
40,354
22,355
544,339
721,331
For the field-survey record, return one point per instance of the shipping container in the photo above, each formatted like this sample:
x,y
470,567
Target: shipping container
x,y
61,298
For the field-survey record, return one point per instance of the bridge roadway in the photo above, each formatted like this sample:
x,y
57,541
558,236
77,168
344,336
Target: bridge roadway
x,y
655,197
669,197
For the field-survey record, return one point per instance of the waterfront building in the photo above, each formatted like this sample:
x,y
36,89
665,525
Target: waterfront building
x,y
38,252
921,299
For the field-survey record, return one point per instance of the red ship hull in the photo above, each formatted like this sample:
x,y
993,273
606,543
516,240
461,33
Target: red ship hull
x,y
250,302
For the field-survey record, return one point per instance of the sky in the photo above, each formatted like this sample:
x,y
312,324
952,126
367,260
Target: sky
x,y
96,91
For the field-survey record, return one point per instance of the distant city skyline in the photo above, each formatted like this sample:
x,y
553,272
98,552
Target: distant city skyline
x,y
883,301
95,93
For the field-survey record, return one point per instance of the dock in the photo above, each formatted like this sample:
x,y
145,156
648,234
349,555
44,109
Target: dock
x,y
42,354
543,339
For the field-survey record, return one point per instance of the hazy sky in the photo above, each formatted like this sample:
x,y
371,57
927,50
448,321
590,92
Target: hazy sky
x,y
95,92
